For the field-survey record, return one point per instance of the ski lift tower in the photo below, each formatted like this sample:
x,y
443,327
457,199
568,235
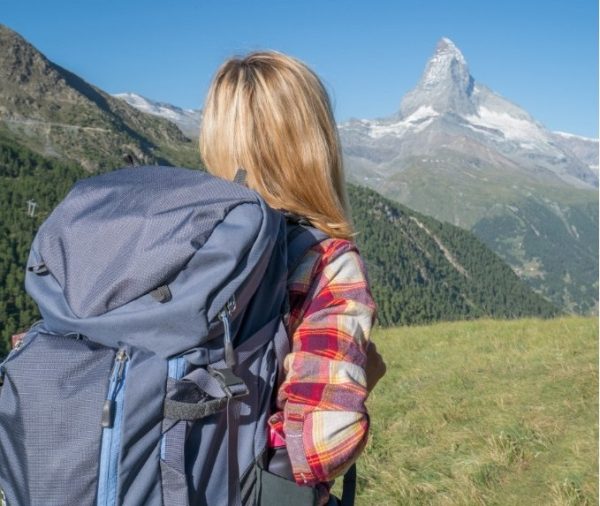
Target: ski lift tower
x,y
31,204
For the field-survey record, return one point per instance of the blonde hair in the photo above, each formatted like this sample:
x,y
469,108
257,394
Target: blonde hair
x,y
270,114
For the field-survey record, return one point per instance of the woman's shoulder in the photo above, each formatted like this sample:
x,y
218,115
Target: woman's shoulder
x,y
332,256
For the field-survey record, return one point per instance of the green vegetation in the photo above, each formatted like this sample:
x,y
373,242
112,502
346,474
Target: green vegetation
x,y
55,112
423,270
556,247
24,176
485,413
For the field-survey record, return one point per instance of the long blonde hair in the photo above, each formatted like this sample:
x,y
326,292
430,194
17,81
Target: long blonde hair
x,y
271,115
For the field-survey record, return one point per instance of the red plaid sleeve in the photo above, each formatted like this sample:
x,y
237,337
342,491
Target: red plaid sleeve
x,y
323,419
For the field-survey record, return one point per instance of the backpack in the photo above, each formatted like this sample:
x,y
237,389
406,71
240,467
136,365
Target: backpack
x,y
150,379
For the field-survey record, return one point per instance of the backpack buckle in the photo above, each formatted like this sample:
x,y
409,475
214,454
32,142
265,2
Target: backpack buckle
x,y
233,386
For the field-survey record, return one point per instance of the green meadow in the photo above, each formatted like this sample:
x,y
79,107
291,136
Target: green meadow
x,y
485,412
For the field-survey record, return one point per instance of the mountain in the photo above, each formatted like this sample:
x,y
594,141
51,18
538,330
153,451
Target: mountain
x,y
449,111
188,120
584,148
56,113
460,152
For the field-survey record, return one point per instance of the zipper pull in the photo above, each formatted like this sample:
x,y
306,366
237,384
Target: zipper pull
x,y
108,413
121,358
230,358
110,405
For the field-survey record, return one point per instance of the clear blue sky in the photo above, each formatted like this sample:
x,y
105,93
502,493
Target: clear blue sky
x,y
542,55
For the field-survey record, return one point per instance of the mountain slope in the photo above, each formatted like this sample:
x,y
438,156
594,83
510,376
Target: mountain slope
x,y
584,148
424,270
461,153
56,113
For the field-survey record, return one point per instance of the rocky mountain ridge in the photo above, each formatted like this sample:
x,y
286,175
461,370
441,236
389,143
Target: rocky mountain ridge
x,y
56,113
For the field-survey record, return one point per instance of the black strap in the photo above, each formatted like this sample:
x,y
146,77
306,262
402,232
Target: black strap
x,y
180,410
234,410
216,387
349,487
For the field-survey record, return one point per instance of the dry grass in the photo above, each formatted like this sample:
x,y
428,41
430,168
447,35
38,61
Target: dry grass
x,y
485,413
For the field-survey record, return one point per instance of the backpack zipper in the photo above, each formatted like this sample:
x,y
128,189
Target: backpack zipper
x,y
112,417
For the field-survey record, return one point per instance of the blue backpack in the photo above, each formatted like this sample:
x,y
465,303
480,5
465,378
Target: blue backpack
x,y
150,379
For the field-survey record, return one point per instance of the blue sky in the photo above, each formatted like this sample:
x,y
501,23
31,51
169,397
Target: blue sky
x,y
542,55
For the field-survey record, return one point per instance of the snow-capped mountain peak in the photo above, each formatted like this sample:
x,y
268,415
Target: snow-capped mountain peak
x,y
446,63
446,84
448,108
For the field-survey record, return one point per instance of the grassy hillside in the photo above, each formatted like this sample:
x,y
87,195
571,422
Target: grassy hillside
x,y
485,413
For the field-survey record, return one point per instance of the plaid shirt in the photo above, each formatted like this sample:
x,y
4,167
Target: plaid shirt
x,y
323,418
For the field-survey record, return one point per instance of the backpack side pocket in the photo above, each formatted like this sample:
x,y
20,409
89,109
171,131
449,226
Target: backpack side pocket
x,y
50,419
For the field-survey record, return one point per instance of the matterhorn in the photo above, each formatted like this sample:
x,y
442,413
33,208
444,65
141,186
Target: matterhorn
x,y
460,152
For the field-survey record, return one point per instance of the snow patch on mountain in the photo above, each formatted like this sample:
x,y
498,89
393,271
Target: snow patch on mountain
x,y
416,122
574,136
188,120
512,128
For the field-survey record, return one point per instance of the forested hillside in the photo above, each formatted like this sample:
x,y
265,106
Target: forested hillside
x,y
423,270
24,176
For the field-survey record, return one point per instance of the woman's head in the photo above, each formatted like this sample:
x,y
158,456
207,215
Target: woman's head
x,y
270,114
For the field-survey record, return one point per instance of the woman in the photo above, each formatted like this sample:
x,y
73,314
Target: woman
x,y
270,114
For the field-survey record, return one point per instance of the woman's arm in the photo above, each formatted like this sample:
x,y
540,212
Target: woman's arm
x,y
325,421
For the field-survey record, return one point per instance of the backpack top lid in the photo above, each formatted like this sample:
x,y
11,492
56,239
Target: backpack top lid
x,y
118,236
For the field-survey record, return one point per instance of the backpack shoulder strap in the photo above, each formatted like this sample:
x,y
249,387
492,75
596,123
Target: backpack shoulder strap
x,y
301,236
